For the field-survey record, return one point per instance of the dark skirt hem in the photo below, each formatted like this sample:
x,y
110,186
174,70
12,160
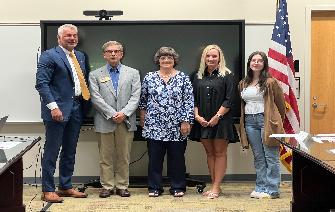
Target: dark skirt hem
x,y
221,131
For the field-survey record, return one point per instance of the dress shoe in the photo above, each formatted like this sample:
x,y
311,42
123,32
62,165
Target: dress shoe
x,y
51,197
123,192
71,193
104,193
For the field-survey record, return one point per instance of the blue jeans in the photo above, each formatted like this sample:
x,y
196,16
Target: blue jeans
x,y
266,158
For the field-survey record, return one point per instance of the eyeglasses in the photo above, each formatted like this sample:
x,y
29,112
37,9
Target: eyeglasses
x,y
112,51
166,58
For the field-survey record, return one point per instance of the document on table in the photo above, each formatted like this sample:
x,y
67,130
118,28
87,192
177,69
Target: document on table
x,y
8,145
304,139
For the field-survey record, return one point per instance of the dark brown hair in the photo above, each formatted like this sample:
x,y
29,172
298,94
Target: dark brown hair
x,y
264,75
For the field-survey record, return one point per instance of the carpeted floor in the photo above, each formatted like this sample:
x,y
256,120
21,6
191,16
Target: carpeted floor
x,y
235,198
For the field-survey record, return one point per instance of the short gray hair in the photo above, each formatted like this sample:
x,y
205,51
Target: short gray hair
x,y
65,26
112,43
166,51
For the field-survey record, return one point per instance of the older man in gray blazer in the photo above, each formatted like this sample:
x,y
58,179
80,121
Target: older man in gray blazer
x,y
115,92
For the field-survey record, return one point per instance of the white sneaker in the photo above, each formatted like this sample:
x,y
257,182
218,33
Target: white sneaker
x,y
255,194
264,195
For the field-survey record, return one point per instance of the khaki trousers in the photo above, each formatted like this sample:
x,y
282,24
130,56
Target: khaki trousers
x,y
114,152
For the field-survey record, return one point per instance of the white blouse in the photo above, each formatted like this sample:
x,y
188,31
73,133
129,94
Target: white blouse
x,y
254,100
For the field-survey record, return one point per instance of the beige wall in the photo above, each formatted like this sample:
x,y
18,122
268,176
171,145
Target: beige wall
x,y
259,12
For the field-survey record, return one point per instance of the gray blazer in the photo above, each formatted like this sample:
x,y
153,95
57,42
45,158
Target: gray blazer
x,y
107,103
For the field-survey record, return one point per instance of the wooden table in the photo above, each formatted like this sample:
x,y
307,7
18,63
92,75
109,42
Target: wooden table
x,y
313,173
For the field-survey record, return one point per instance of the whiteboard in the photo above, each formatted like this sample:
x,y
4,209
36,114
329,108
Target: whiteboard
x,y
257,38
20,46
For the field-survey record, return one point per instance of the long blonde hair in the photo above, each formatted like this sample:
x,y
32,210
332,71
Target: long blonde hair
x,y
222,63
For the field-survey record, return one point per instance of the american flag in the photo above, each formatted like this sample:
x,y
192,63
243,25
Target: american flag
x,y
281,67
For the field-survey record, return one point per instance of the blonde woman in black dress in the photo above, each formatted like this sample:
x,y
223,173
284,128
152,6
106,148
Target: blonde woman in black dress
x,y
214,90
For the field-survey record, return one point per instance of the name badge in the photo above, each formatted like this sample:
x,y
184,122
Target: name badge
x,y
105,79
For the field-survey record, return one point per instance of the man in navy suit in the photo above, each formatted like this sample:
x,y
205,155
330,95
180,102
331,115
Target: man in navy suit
x,y
62,96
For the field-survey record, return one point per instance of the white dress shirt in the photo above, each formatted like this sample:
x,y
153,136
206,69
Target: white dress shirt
x,y
77,89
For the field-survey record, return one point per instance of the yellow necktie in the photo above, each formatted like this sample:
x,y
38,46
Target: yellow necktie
x,y
84,90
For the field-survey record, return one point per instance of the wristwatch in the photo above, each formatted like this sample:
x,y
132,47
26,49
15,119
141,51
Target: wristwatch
x,y
219,116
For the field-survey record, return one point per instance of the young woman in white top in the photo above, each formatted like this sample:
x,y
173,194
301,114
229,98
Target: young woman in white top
x,y
262,114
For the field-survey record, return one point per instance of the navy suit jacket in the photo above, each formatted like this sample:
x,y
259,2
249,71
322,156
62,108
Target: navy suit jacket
x,y
54,81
